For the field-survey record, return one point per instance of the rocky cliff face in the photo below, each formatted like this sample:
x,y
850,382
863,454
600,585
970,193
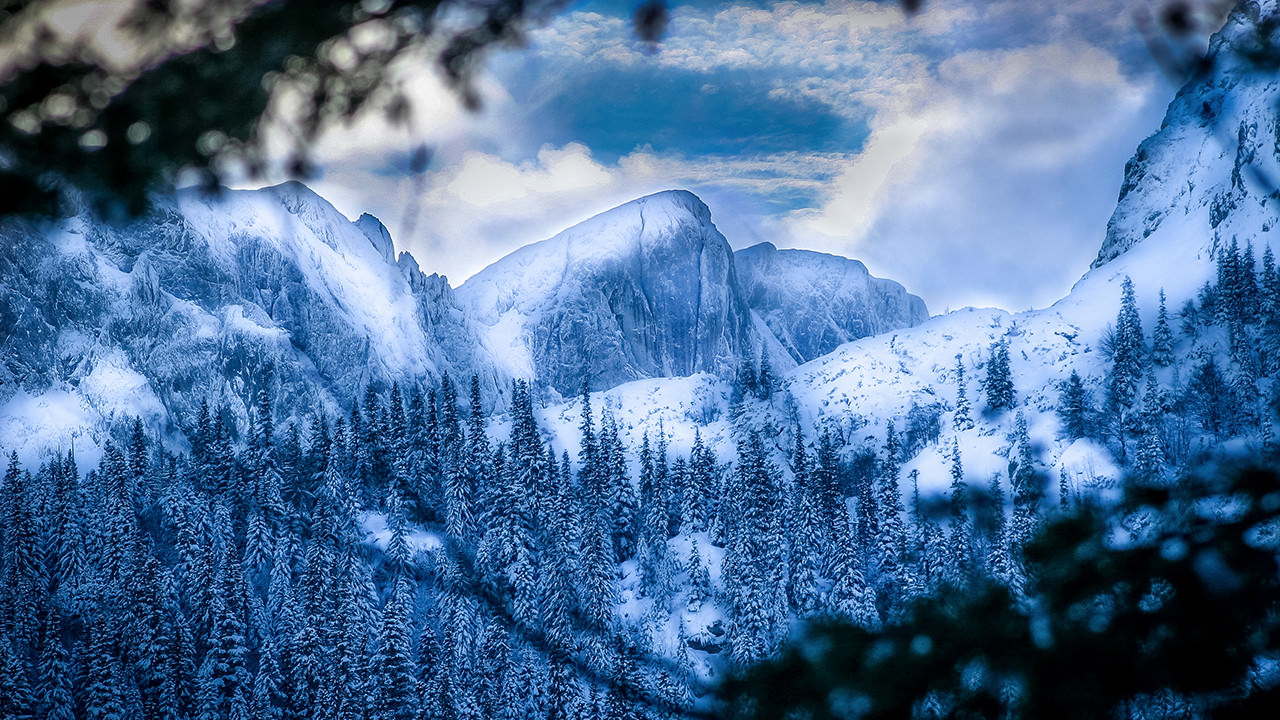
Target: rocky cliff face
x,y
198,299
1212,170
813,302
647,289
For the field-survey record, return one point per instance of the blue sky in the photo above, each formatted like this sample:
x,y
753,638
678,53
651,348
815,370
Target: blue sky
x,y
972,152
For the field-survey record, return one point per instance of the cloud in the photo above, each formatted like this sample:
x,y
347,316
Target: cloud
x,y
972,151
996,190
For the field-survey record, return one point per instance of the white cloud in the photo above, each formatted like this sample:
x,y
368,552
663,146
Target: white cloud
x,y
987,177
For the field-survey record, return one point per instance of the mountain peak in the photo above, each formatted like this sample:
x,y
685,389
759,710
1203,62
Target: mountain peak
x,y
1207,174
646,289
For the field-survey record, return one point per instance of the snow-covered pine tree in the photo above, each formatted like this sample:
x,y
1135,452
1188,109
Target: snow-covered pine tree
x,y
699,500
699,580
961,418
1162,336
1127,352
891,531
805,534
1024,478
997,386
1073,407
392,662
960,536
754,561
1149,461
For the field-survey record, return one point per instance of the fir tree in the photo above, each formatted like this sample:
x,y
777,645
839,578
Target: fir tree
x,y
1073,407
392,665
804,560
765,381
753,563
850,597
959,553
961,419
998,383
699,580
1127,351
1150,461
891,532
1162,336
54,687
17,700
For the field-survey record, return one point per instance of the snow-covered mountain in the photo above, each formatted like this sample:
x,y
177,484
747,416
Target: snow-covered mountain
x,y
813,302
647,289
199,298
1212,170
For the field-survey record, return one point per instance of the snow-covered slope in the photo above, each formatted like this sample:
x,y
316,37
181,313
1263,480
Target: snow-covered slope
x,y
647,289
1212,169
198,298
814,302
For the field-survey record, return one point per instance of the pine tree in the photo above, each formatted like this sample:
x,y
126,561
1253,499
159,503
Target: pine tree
x,y
1127,351
960,548
1150,460
1162,336
53,691
431,676
804,560
104,684
392,667
623,507
698,499
961,419
699,580
1073,407
850,597
754,562
765,381
1024,477
17,700
998,384
494,669
891,532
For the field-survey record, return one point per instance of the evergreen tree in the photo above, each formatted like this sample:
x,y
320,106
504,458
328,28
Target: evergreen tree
x,y
804,560
891,531
392,666
998,383
1073,407
961,419
1024,477
431,677
103,677
850,597
765,381
1162,336
754,561
53,689
959,553
699,496
699,580
17,700
1127,352
1150,460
